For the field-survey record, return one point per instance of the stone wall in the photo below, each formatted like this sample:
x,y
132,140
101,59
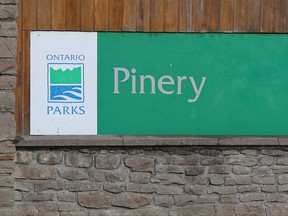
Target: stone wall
x,y
218,181
8,41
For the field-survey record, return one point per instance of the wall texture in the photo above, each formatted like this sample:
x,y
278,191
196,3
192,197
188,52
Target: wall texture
x,y
8,41
167,181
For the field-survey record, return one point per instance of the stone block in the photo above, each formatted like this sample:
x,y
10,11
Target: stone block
x,y
23,186
220,169
240,170
164,201
266,160
279,169
250,152
169,169
224,210
209,161
8,12
25,209
7,82
198,209
7,46
7,167
249,197
253,208
97,175
7,181
7,126
7,212
7,66
38,197
269,188
104,212
194,170
229,198
273,152
283,188
217,180
49,158
6,198
249,188
7,102
66,196
94,200
249,161
83,186
49,185
146,211
277,197
117,176
186,160
24,157
238,180
279,209
234,160
224,190
140,178
185,200
7,148
168,179
208,198
264,180
8,29
77,159
68,207
131,200
73,173
114,187
48,209
140,188
108,161
195,189
140,163
198,180
34,173
283,179
169,190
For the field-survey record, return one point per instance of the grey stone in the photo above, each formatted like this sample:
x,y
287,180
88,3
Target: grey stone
x,y
7,125
24,186
249,188
48,209
225,210
248,197
229,198
83,186
7,49
77,159
238,180
73,173
24,157
131,200
164,201
234,160
6,198
279,209
65,196
97,175
68,207
250,152
7,181
195,189
94,200
208,198
169,190
108,161
7,102
25,209
140,178
7,167
7,67
141,164
184,200
251,209
221,169
208,161
169,169
186,160
277,197
283,179
114,187
194,170
39,197
216,180
283,188
168,179
199,180
210,152
49,185
7,211
199,210
8,12
104,212
8,29
269,188
278,169
117,176
140,188
49,158
222,189
249,161
264,180
239,170
146,211
266,160
273,152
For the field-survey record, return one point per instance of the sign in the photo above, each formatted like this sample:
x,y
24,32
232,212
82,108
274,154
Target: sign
x,y
158,84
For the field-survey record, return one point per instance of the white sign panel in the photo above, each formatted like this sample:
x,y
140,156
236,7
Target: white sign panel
x,y
66,63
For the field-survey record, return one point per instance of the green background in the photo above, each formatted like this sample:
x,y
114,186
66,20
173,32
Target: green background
x,y
245,92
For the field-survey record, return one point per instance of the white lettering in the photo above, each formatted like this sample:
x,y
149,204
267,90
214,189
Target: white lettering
x,y
196,90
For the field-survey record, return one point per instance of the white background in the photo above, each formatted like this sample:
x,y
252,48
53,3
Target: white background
x,y
70,43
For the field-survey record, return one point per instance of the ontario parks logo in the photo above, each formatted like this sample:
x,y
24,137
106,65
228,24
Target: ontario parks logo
x,y
65,83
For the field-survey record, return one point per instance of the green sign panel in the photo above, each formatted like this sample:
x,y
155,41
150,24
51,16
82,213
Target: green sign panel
x,y
192,84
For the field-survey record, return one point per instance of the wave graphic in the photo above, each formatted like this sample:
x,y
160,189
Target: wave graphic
x,y
66,93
